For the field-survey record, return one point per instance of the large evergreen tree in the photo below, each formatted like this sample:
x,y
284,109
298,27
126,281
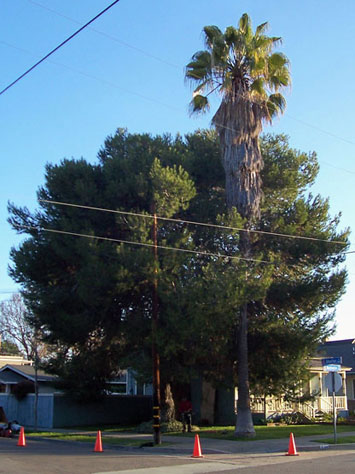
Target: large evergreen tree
x,y
93,297
291,298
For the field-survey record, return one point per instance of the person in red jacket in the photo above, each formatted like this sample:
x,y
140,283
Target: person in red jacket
x,y
185,409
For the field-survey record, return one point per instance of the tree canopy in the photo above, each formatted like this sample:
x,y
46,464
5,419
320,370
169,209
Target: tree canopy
x,y
92,295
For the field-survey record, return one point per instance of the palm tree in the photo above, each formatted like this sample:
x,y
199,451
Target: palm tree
x,y
243,68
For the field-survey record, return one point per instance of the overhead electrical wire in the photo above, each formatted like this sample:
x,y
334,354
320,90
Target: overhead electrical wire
x,y
99,79
106,35
153,57
58,47
146,53
169,106
141,244
184,221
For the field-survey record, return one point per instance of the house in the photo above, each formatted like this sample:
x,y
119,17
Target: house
x,y
13,360
320,400
122,405
344,348
11,375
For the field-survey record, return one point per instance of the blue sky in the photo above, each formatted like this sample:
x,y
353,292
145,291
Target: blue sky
x,y
127,70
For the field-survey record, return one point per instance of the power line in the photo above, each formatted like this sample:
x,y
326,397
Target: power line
x,y
106,35
169,106
182,221
58,47
99,79
320,129
141,244
117,40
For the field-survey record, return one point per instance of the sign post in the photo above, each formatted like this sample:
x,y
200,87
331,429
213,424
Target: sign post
x,y
333,383
334,409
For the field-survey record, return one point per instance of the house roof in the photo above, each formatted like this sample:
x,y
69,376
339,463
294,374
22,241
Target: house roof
x,y
315,363
340,341
344,348
13,360
15,373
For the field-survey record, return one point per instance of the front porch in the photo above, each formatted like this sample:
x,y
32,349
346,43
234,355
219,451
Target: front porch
x,y
309,409
321,402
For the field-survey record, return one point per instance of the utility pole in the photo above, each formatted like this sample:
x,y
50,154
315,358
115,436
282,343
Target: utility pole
x,y
155,353
36,385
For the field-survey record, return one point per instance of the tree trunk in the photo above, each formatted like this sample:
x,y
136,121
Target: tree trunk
x,y
168,408
265,408
244,426
242,162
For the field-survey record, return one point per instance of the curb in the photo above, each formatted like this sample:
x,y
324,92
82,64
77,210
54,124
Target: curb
x,y
328,447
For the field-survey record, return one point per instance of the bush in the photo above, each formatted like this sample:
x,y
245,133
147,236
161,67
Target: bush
x,y
295,418
166,427
22,389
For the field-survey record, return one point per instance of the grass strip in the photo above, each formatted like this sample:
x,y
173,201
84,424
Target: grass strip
x,y
267,432
340,440
87,438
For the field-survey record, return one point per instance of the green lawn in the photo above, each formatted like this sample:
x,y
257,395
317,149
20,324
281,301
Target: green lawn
x,y
340,440
218,432
107,428
86,438
270,432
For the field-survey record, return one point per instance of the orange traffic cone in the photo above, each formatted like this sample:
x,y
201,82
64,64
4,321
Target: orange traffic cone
x,y
197,448
98,444
292,451
21,438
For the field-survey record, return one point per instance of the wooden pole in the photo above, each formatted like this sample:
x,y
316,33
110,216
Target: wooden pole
x,y
155,353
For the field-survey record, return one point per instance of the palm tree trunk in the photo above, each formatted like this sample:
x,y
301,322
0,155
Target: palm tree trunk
x,y
242,162
244,425
242,165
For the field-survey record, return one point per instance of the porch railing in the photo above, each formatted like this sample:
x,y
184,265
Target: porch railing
x,y
324,404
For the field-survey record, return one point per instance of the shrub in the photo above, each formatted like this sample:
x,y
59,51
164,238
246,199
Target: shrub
x,y
166,427
22,389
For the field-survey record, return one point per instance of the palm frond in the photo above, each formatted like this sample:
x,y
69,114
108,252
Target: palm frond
x,y
245,25
212,33
277,60
262,43
199,104
258,66
219,52
231,36
200,66
258,86
277,103
261,28
280,79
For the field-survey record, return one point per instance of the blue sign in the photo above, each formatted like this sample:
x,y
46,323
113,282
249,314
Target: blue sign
x,y
331,361
332,367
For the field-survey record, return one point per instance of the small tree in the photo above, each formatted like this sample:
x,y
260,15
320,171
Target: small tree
x,y
15,326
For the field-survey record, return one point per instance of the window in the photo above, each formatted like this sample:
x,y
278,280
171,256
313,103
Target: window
x,y
118,385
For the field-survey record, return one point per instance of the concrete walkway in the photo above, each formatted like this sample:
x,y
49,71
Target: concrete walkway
x,y
214,446
185,445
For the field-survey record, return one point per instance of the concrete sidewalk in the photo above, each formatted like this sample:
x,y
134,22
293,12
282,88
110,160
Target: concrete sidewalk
x,y
184,445
216,446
